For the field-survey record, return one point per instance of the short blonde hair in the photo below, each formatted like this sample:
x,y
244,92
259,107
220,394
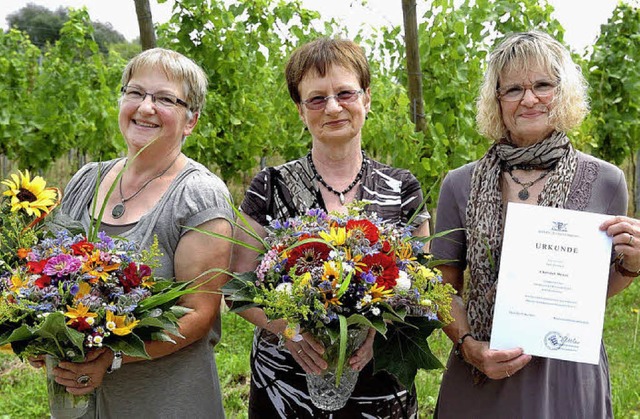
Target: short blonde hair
x,y
526,51
177,68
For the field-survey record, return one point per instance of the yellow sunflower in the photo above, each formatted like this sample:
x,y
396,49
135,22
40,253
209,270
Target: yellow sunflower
x,y
30,195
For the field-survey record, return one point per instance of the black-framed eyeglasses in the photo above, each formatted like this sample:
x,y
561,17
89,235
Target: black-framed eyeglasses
x,y
515,92
317,103
165,100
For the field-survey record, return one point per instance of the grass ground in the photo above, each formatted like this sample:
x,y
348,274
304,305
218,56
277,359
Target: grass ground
x,y
23,391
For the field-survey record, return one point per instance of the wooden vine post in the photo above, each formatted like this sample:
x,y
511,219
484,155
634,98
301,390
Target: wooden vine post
x,y
414,71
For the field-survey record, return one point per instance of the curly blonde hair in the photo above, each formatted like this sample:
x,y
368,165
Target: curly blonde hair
x,y
525,51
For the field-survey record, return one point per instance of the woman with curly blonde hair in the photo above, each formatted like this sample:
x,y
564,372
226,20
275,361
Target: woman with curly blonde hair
x,y
532,95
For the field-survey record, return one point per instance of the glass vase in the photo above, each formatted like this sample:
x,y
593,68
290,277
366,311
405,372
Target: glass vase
x,y
63,405
324,392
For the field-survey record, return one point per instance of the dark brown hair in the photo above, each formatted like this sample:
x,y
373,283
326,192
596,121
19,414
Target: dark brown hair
x,y
319,55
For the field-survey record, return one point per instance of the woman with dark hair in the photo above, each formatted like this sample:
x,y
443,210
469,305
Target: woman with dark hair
x,y
328,80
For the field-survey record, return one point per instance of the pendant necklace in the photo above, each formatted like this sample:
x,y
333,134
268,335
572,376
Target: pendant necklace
x,y
340,194
119,209
524,192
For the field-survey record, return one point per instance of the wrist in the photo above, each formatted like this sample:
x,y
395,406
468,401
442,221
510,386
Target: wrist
x,y
459,344
624,271
116,362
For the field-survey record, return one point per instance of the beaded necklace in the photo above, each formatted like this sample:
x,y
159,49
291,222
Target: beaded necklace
x,y
340,194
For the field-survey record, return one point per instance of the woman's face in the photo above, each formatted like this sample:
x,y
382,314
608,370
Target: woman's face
x,y
338,122
527,120
141,122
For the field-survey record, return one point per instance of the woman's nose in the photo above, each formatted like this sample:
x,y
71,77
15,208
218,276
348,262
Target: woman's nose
x,y
529,97
332,105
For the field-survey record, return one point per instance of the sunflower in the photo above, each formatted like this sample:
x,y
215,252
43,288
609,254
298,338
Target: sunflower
x,y
30,195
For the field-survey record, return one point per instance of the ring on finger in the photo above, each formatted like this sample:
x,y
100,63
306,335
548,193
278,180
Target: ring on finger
x,y
299,350
83,380
630,239
507,372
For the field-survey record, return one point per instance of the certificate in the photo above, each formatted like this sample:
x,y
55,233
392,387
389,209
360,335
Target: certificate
x,y
552,284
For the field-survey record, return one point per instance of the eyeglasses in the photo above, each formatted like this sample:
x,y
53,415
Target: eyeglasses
x,y
317,103
514,93
165,100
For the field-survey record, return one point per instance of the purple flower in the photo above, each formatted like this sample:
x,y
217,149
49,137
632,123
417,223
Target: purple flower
x,y
317,212
368,277
106,242
62,265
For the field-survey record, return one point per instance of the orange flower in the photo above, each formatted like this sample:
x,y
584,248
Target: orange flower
x,y
22,252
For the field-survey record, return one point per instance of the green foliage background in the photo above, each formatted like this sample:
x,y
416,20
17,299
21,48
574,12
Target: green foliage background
x,y
63,99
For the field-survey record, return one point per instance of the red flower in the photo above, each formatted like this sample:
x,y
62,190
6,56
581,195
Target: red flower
x,y
80,324
83,247
131,278
43,281
386,247
144,271
366,227
37,267
383,267
307,256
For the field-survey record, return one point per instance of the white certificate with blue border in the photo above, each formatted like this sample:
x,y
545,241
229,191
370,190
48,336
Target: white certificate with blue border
x,y
552,284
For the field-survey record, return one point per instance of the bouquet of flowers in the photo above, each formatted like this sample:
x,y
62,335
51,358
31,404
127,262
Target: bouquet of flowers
x,y
63,294
69,295
329,274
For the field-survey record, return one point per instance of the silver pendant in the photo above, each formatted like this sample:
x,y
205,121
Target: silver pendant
x,y
523,194
117,210
341,196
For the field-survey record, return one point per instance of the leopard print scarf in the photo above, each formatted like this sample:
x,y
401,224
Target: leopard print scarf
x,y
485,209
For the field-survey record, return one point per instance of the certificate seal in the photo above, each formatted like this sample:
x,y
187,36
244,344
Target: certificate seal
x,y
553,341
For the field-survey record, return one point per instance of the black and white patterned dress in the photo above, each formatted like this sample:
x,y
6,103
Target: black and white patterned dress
x,y
278,384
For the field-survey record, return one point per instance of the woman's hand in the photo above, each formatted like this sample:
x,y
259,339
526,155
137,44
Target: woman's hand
x,y
308,353
495,364
36,361
83,377
364,354
625,233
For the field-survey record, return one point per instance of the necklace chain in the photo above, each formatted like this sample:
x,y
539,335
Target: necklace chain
x,y
119,209
524,192
340,194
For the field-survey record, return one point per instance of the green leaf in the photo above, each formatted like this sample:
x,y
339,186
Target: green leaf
x,y
405,349
21,333
130,345
342,353
54,328
169,295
